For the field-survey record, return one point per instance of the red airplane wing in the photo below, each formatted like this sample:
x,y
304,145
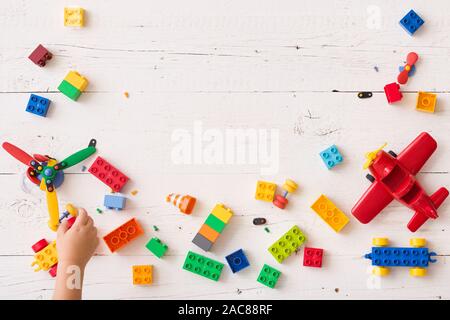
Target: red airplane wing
x,y
372,202
417,153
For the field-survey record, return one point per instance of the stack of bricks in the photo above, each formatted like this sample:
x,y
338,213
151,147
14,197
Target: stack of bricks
x,y
73,85
213,227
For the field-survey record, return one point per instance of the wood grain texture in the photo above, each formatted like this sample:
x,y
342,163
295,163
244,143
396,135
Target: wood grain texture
x,y
228,65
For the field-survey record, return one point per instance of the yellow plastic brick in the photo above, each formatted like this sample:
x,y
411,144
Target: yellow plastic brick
x,y
426,102
222,212
74,17
143,274
265,191
46,258
77,80
331,214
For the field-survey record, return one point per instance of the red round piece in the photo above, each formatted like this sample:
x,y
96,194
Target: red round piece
x,y
280,201
53,270
38,246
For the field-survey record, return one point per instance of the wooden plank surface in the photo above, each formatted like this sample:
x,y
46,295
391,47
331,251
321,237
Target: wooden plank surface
x,y
222,65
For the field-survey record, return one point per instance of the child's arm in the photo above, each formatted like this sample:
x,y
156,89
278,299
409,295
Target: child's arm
x,y
75,247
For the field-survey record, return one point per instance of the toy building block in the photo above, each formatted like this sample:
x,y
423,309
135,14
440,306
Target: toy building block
x,y
411,22
114,201
122,235
392,92
213,226
269,276
38,105
281,201
73,17
417,258
108,174
156,247
203,266
265,191
329,213
331,157
287,244
312,257
142,274
40,55
46,257
184,203
426,102
237,261
73,85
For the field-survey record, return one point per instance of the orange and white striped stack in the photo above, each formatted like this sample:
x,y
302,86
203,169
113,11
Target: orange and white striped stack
x,y
185,203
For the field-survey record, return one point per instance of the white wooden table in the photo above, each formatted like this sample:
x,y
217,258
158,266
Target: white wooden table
x,y
226,65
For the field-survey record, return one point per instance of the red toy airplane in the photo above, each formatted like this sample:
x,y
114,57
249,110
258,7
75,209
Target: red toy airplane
x,y
393,177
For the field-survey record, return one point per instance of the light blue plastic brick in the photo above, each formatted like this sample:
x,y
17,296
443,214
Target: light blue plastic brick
x,y
114,201
411,22
331,157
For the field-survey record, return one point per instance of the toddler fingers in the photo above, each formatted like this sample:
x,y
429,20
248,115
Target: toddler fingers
x,y
82,217
62,228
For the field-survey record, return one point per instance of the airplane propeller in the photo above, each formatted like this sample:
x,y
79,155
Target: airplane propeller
x,y
370,156
411,60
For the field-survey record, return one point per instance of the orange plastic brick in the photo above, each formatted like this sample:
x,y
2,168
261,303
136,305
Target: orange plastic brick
x,y
209,233
331,214
143,274
124,234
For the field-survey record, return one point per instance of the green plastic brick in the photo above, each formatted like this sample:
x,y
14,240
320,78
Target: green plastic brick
x,y
287,244
215,223
203,266
69,90
156,247
269,276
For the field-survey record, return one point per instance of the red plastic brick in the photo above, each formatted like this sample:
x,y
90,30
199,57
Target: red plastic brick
x,y
392,92
124,234
108,174
40,55
312,257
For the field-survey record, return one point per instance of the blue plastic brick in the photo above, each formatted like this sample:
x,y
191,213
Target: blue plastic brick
x,y
399,257
114,201
411,22
38,105
331,157
237,261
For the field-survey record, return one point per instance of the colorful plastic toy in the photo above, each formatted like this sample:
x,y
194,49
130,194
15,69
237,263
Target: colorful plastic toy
x,y
411,22
156,247
331,157
237,261
265,191
329,213
269,276
40,56
287,244
47,173
411,60
281,201
417,258
71,211
392,92
38,105
213,227
115,201
46,257
73,17
312,257
185,203
393,177
426,102
73,85
203,266
122,235
142,274
108,174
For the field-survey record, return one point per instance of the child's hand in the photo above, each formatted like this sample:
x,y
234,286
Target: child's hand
x,y
76,245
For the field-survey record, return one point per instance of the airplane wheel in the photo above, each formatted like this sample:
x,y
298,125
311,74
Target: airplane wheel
x,y
380,271
418,242
380,242
38,246
418,272
371,178
72,210
392,153
290,186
